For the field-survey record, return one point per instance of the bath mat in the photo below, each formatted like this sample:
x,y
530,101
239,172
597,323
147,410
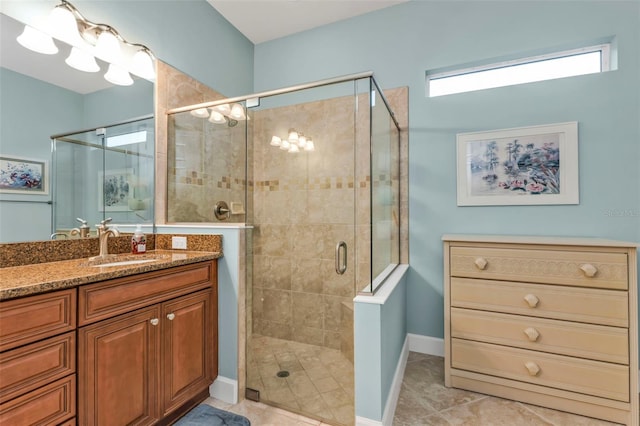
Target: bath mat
x,y
206,415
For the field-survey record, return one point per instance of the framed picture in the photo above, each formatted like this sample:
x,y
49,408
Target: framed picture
x,y
115,190
520,166
24,175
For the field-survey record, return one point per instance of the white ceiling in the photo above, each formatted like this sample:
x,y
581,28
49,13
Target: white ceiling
x,y
264,20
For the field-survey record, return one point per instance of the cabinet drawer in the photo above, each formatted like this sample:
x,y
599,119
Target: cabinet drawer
x,y
50,405
33,318
605,307
114,297
601,270
30,367
560,337
572,374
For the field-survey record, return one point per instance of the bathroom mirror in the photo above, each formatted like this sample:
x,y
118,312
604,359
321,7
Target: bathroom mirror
x,y
43,96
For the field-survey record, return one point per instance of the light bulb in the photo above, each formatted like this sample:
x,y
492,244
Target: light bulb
x,y
302,140
237,112
142,65
37,41
294,148
108,47
64,26
81,60
293,136
200,113
275,141
309,145
223,109
217,118
118,75
285,145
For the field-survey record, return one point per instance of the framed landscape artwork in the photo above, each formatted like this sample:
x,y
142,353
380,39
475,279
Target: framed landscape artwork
x,y
20,175
520,166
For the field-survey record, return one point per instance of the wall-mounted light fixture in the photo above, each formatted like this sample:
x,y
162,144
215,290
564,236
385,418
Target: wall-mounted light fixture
x,y
89,41
222,114
295,142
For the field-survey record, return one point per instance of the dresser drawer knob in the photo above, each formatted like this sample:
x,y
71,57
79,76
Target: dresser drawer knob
x,y
532,334
481,263
531,300
589,270
532,367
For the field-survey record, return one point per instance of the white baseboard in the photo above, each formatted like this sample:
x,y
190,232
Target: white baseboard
x,y
426,344
363,421
225,390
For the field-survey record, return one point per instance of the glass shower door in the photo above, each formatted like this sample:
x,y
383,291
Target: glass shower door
x,y
300,338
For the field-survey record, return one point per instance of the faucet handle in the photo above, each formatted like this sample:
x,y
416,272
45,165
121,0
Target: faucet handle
x,y
82,221
104,222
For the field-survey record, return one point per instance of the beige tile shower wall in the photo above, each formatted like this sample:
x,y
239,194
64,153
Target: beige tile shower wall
x,y
304,204
198,163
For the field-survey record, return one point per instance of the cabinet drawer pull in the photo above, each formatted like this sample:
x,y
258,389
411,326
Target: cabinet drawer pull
x,y
532,334
531,300
154,321
481,263
532,368
589,270
171,316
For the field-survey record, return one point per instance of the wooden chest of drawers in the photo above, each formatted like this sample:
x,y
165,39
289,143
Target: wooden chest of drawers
x,y
547,321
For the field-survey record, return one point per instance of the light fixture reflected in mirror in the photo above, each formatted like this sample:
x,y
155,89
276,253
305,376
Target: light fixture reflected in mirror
x,y
217,118
295,142
119,76
37,41
200,113
89,40
81,60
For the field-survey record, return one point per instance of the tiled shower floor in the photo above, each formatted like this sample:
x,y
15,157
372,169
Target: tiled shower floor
x,y
320,382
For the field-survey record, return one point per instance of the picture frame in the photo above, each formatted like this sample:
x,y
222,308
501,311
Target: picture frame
x,y
21,175
115,190
533,165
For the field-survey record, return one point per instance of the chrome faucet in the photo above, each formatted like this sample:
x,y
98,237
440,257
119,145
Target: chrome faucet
x,y
84,231
103,235
55,235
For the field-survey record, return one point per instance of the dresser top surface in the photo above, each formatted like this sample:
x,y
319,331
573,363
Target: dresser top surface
x,y
532,239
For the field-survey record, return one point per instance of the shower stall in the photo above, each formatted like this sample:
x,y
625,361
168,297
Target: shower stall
x,y
104,172
313,171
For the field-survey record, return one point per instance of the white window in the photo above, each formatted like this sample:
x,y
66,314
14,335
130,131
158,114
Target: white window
x,y
588,60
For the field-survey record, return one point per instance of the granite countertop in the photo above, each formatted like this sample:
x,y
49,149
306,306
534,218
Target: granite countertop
x,y
18,281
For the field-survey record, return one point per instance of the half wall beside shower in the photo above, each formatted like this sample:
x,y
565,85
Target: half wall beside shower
x,y
314,171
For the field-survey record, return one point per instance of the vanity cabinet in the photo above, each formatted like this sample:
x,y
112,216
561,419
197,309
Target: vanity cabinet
x,y
147,345
547,321
38,359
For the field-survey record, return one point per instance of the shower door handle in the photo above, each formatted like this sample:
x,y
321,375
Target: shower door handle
x,y
341,258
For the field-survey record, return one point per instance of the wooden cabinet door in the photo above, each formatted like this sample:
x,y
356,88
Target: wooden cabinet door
x,y
118,368
187,348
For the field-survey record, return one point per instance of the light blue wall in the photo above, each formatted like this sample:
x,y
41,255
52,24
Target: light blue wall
x,y
30,112
379,335
400,43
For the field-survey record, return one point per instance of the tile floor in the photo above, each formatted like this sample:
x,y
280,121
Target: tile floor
x,y
425,401
320,381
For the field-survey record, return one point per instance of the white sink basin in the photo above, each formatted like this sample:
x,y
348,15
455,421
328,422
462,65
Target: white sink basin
x,y
125,262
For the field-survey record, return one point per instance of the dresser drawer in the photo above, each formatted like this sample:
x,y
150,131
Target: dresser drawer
x,y
52,404
604,307
29,367
561,372
105,300
588,341
33,318
572,268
